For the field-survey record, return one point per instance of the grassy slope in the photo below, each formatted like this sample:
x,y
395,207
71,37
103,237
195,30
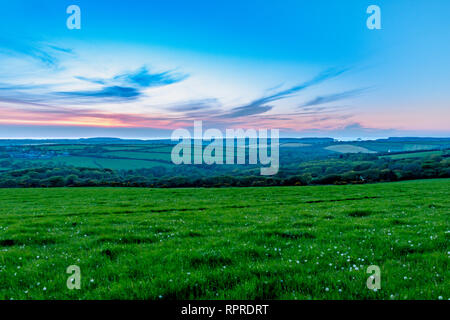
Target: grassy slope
x,y
118,157
348,148
413,155
291,242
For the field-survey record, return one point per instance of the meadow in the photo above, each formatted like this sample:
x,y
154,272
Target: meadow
x,y
312,242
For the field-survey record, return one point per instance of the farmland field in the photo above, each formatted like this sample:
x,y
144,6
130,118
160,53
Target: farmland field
x,y
134,155
414,155
345,148
227,243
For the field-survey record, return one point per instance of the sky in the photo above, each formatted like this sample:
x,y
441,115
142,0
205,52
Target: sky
x,y
141,69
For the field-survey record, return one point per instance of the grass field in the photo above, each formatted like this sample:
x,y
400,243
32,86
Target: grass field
x,y
116,157
414,155
346,148
230,243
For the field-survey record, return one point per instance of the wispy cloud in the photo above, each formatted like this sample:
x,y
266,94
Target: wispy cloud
x,y
248,110
120,88
260,106
193,105
140,78
125,86
46,54
333,97
14,87
113,93
326,75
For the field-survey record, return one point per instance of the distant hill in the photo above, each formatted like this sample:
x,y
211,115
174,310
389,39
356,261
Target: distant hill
x,y
410,139
18,142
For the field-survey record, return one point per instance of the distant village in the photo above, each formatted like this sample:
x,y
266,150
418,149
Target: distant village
x,y
25,153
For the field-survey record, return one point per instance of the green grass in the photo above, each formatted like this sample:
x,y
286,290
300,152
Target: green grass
x,y
117,157
140,155
125,147
230,243
413,155
63,147
348,148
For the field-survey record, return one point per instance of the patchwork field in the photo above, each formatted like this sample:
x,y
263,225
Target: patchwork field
x,y
229,243
135,155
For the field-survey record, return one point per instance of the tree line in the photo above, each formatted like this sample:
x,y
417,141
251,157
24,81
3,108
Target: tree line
x,y
343,169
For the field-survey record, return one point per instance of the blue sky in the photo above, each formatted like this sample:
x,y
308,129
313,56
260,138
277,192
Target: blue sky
x,y
139,69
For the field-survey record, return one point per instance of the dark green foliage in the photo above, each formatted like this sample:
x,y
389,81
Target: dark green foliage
x,y
346,171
